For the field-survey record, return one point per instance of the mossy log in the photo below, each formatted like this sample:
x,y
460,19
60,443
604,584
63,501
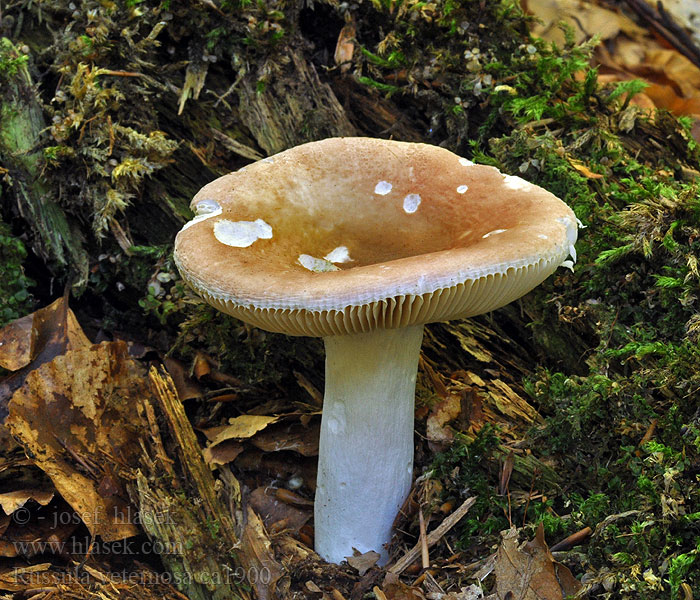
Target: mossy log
x,y
22,131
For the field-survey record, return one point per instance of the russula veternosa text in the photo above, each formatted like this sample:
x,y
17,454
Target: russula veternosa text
x,y
362,241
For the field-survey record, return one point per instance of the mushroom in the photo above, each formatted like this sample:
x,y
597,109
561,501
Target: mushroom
x,y
362,241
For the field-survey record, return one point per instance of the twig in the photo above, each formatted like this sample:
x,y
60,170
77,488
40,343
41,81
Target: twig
x,y
664,25
433,537
574,539
425,557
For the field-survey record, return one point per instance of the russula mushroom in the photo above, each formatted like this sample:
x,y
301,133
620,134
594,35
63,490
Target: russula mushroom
x,y
362,241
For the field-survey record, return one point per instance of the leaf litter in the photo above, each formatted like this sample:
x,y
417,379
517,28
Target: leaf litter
x,y
74,415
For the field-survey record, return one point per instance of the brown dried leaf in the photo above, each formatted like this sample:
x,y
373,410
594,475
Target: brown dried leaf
x,y
289,436
676,67
276,515
79,408
583,169
442,413
11,501
529,571
363,562
16,343
585,18
345,47
33,340
401,591
44,531
239,428
187,388
222,453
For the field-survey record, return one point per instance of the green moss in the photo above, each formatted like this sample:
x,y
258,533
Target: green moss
x,y
17,300
12,59
467,468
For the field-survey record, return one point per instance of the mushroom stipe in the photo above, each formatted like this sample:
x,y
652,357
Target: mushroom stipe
x,y
362,241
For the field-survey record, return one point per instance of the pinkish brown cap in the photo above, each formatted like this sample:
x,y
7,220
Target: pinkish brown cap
x,y
348,235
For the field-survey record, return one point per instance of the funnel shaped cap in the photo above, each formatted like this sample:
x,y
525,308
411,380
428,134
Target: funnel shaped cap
x,y
349,235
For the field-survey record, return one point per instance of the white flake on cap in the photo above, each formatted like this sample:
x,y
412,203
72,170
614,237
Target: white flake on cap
x,y
204,209
317,265
462,189
514,182
241,234
207,206
338,255
465,162
494,232
411,203
382,188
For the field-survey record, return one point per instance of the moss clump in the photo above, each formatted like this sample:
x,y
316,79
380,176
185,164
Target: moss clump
x,y
467,469
14,284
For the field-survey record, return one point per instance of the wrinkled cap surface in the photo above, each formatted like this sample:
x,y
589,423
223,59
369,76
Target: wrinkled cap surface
x,y
348,235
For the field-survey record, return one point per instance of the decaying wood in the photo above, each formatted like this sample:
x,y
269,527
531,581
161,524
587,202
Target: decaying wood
x,y
295,108
212,550
22,127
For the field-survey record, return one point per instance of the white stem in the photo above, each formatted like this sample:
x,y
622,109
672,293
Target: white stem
x,y
366,447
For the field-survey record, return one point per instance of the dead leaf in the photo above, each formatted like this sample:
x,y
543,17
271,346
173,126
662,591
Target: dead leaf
x,y
33,340
442,413
529,571
79,408
289,436
345,47
239,428
363,562
222,453
186,387
583,169
16,343
585,18
41,531
11,501
276,515
401,591
289,497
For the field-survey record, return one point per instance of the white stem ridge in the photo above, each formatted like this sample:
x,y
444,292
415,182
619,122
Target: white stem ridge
x,y
366,448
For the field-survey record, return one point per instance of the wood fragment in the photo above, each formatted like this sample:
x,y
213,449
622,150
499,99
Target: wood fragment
x,y
663,24
296,96
378,593
574,539
433,537
235,146
425,557
245,535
